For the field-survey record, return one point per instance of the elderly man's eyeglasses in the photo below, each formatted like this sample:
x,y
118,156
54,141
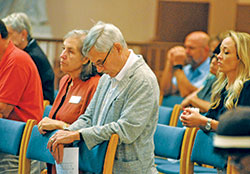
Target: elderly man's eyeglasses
x,y
100,64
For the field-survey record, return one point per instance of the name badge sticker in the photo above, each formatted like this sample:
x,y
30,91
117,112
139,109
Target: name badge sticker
x,y
75,99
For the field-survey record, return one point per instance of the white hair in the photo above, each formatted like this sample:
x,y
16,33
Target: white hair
x,y
102,36
18,22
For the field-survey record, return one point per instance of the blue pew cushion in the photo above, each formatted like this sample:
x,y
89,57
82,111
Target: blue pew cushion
x,y
168,141
204,170
37,148
169,167
91,160
171,100
165,115
47,111
203,151
11,135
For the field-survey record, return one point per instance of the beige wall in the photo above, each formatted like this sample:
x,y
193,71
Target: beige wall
x,y
222,16
135,18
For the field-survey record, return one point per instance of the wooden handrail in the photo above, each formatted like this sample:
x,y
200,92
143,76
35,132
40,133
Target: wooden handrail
x,y
175,115
40,39
110,154
24,163
186,150
153,52
147,43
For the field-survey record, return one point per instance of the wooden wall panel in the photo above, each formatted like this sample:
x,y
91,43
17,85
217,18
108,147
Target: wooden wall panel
x,y
243,18
177,19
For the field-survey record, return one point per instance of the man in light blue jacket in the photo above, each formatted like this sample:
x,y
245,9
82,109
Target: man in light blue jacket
x,y
125,103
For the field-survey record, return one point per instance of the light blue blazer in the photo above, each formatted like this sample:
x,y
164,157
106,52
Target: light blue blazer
x,y
132,113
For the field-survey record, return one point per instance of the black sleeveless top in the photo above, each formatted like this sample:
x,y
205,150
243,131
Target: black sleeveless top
x,y
244,100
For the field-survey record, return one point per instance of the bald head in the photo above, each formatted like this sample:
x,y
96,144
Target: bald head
x,y
199,37
196,46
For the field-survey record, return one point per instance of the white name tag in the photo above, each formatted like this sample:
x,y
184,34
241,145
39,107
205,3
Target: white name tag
x,y
75,99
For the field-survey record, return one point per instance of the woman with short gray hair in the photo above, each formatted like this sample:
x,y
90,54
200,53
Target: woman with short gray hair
x,y
76,88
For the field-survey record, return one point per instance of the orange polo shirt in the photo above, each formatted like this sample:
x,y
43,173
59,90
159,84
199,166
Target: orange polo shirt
x,y
20,85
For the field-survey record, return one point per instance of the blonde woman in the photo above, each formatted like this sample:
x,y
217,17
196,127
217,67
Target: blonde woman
x,y
232,87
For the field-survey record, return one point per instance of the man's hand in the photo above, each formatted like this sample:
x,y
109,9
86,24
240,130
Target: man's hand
x,y
58,153
5,109
60,138
177,55
188,100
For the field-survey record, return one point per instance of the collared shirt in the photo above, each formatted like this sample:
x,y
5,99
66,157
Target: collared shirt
x,y
131,60
20,85
66,109
131,112
114,81
197,76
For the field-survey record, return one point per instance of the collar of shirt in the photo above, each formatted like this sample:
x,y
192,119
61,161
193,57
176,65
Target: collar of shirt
x,y
197,76
203,67
131,60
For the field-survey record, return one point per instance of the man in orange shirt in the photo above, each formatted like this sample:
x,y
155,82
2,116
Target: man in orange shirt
x,y
21,96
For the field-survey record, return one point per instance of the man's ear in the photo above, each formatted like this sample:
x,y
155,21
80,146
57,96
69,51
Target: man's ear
x,y
24,34
207,48
118,47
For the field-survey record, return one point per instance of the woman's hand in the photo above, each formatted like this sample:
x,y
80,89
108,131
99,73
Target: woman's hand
x,y
191,118
48,124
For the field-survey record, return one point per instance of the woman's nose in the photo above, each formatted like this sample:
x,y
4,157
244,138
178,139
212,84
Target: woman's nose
x,y
63,55
219,56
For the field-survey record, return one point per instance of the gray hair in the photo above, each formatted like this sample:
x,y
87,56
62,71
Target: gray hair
x,y
77,34
88,69
102,36
18,22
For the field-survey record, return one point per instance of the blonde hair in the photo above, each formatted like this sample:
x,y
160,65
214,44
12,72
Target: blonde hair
x,y
242,43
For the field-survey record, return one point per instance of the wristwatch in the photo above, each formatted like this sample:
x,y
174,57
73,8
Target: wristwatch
x,y
208,126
